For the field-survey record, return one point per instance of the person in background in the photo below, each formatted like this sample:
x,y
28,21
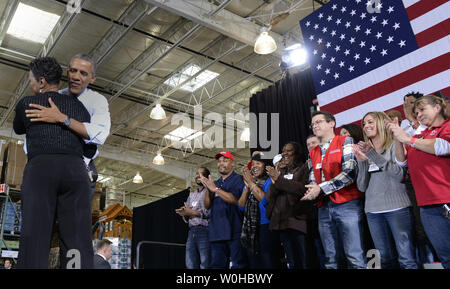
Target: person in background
x,y
262,244
194,213
103,254
427,156
410,124
7,264
387,205
225,222
395,114
332,167
288,216
352,130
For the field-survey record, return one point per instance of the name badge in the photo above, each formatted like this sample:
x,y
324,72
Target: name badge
x,y
318,166
335,151
194,204
289,176
373,168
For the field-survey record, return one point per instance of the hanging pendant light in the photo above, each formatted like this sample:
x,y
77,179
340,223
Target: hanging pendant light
x,y
138,179
158,112
265,44
158,159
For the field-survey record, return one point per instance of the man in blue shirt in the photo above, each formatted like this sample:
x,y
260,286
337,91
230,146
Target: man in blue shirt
x,y
225,224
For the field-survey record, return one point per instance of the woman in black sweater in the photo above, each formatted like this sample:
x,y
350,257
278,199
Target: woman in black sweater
x,y
55,181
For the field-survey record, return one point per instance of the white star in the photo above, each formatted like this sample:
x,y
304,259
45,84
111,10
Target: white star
x,y
348,24
402,43
353,13
342,37
319,66
324,55
337,48
351,68
315,51
396,26
352,40
373,19
333,33
332,60
367,61
385,22
363,15
308,24
358,1
322,82
373,48
319,41
343,9
341,64
384,52
379,6
327,71
379,35
390,39
368,31
320,15
328,45
311,37
338,21
390,9
356,57
369,3
362,44
336,76
329,18
347,52
324,30
357,28
316,26
334,7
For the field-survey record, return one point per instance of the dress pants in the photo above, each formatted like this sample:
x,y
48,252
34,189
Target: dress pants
x,y
56,186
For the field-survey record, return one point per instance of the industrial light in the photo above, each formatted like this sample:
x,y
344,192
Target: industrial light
x,y
104,180
294,55
158,112
245,135
265,44
158,159
138,179
200,80
32,24
183,134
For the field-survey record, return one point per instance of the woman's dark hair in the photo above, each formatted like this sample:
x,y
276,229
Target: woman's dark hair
x,y
299,157
355,131
206,172
48,68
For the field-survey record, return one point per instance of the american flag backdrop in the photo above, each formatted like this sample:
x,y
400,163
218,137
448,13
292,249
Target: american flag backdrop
x,y
365,55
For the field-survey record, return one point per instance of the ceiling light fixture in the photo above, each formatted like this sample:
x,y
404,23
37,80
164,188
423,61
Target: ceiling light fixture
x,y
158,112
158,159
265,44
138,179
245,135
294,55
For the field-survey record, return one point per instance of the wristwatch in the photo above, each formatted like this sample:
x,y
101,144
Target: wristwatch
x,y
66,122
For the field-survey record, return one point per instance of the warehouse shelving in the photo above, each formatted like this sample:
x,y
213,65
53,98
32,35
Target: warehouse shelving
x,y
8,194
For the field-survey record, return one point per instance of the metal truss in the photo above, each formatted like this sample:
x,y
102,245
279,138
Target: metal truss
x,y
8,14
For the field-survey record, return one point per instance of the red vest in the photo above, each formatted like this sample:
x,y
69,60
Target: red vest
x,y
331,167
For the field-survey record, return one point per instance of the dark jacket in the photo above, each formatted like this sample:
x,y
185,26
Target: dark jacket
x,y
284,208
100,263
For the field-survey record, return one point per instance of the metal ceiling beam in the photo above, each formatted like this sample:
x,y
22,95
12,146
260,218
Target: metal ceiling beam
x,y
225,22
58,31
8,14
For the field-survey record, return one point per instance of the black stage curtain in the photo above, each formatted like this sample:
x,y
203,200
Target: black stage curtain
x,y
158,221
292,98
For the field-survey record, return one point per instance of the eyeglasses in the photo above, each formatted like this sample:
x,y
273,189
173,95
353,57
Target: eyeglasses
x,y
317,122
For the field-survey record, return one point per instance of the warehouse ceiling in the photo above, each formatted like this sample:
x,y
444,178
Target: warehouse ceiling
x,y
143,47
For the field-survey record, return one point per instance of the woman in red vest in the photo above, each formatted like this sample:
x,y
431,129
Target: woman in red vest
x,y
427,156
387,204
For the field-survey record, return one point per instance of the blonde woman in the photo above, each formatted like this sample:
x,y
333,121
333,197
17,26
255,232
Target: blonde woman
x,y
427,156
387,205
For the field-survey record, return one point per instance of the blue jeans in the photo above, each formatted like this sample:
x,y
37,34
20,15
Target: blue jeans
x,y
221,251
393,235
269,255
341,232
437,229
197,248
294,243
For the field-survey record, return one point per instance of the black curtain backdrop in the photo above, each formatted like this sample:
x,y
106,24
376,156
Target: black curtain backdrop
x,y
158,221
292,97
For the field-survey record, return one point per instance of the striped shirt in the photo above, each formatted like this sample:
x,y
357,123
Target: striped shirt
x,y
348,174
195,201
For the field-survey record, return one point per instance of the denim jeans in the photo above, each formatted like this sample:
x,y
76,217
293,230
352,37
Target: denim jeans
x,y
221,251
294,244
269,255
393,236
341,232
437,229
197,248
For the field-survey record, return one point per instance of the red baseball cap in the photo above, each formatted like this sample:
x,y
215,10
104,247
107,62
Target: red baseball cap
x,y
225,154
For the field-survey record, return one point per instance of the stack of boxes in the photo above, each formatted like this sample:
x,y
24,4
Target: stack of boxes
x,y
14,162
121,253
